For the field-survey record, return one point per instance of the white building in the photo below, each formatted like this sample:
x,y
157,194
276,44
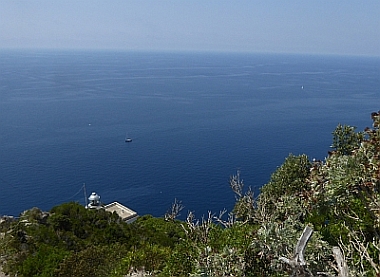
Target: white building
x,y
125,213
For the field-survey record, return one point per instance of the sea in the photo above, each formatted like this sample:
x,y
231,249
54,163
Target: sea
x,y
195,120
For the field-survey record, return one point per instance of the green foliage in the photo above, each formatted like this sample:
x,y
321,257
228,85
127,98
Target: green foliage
x,y
151,230
97,261
281,213
284,196
217,247
155,240
289,178
345,139
182,260
44,263
148,257
94,226
39,243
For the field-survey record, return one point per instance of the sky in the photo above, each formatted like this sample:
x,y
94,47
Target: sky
x,y
345,27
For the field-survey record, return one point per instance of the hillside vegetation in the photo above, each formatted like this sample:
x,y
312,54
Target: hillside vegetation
x,y
336,199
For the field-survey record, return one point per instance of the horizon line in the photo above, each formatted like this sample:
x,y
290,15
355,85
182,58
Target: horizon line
x,y
182,51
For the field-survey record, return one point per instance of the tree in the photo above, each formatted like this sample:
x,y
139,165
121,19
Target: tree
x,y
345,139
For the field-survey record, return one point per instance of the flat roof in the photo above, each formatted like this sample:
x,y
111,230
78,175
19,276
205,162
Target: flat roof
x,y
125,213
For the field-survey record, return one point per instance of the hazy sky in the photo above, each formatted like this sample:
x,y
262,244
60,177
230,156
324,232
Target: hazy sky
x,y
291,26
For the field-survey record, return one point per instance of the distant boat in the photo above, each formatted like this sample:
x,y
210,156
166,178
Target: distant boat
x,y
128,139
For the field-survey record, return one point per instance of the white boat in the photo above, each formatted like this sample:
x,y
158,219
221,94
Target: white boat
x,y
128,139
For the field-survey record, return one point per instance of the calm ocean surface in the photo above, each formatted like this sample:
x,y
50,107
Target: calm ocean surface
x,y
195,119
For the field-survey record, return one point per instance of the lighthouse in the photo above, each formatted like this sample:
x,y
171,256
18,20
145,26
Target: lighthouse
x,y
94,201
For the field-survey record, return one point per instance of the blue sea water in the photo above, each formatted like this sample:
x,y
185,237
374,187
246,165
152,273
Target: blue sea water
x,y
195,119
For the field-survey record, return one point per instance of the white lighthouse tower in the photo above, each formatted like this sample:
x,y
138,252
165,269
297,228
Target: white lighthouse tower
x,y
94,201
